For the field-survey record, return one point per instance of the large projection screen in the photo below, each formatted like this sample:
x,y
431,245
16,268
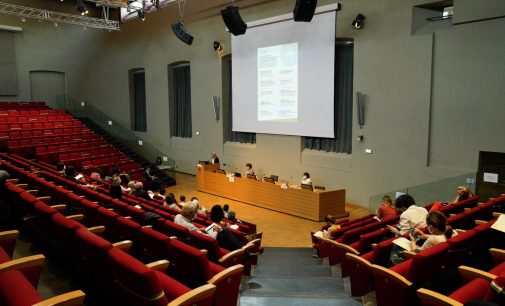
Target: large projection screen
x,y
283,77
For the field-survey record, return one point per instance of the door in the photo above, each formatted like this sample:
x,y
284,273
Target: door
x,y
49,86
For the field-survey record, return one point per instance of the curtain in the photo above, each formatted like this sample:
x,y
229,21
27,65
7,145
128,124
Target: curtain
x,y
342,143
241,137
182,102
139,104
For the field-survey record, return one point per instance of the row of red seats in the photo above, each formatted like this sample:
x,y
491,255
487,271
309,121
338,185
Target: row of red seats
x,y
50,154
130,281
37,118
13,135
39,125
28,147
116,226
370,266
23,105
19,277
31,112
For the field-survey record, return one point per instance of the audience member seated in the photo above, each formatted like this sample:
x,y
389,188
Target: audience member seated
x,y
306,179
463,194
226,208
152,182
232,217
387,208
248,169
170,203
217,214
72,175
131,187
412,216
60,167
140,192
439,231
115,188
225,238
200,208
182,200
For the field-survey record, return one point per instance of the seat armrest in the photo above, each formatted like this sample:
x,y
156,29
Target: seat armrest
x,y
23,262
460,231
13,234
435,298
194,296
78,217
97,229
232,258
497,254
123,245
479,222
59,207
228,272
160,265
390,274
74,298
472,273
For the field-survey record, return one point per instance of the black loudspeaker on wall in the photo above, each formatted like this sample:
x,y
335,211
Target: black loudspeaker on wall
x,y
180,32
304,10
233,21
360,109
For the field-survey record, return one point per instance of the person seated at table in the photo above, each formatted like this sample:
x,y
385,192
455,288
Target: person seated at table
x,y
386,209
248,169
213,158
306,179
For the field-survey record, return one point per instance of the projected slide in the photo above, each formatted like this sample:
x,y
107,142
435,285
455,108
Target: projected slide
x,y
278,83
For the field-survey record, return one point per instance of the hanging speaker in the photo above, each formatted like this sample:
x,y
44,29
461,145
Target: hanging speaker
x,y
233,21
304,10
360,109
180,32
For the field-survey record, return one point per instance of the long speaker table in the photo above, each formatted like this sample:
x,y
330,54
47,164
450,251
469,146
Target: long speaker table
x,y
313,205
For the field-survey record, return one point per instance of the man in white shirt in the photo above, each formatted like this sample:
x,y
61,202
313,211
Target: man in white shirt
x,y
188,214
412,216
182,200
213,158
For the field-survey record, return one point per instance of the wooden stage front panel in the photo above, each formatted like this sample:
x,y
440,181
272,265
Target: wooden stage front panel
x,y
313,205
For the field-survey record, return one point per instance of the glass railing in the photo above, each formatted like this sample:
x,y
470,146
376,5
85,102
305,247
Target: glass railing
x,y
442,190
122,134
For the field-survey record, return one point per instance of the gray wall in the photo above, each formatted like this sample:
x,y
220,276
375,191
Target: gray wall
x,y
432,101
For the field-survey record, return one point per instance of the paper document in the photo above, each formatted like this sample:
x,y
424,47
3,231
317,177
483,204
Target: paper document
x,y
404,243
209,228
234,226
499,224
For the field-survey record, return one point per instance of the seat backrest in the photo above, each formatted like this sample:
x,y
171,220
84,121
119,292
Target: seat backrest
x,y
172,229
156,244
428,263
94,251
138,285
191,265
201,241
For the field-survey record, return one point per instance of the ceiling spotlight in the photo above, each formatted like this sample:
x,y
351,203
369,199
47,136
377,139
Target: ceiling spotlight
x,y
141,14
359,21
217,46
55,24
81,8
23,19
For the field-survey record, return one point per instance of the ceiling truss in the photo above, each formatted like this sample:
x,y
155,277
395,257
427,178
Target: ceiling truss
x,y
45,15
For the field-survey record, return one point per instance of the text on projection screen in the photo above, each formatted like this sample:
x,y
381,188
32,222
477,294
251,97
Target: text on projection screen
x,y
283,78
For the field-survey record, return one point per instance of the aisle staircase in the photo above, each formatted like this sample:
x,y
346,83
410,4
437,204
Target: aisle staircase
x,y
292,277
165,179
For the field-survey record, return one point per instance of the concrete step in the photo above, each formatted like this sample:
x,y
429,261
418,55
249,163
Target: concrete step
x,y
289,271
285,286
296,301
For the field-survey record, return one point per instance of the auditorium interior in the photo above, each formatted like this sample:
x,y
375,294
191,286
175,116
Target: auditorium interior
x,y
359,146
